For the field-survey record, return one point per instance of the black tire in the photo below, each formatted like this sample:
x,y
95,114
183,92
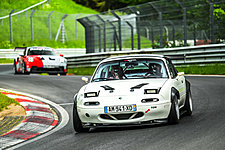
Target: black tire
x,y
15,70
174,115
77,124
52,73
188,104
25,69
63,74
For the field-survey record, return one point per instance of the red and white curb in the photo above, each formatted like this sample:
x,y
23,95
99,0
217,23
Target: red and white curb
x,y
39,119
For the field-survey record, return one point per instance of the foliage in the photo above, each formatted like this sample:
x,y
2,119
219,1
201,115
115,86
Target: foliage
x,y
6,60
6,101
105,5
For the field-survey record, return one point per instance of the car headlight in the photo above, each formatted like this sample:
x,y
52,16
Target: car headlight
x,y
90,94
62,60
91,103
151,91
30,59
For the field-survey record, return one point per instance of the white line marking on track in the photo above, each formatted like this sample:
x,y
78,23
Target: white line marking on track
x,y
63,104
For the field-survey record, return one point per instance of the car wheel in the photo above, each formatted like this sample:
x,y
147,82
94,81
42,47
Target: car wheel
x,y
63,73
15,69
77,124
188,104
24,70
174,115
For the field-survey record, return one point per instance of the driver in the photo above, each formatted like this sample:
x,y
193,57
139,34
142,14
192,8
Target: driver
x,y
116,72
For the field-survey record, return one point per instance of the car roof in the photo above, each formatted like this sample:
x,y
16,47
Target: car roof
x,y
39,48
133,56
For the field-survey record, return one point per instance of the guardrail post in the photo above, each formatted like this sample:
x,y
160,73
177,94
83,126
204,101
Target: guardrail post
x,y
49,24
31,25
184,21
132,34
119,28
104,32
76,33
160,24
10,25
212,38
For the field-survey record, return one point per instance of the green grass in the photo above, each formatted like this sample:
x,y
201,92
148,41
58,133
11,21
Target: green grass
x,y
6,60
209,69
6,101
22,29
52,43
82,70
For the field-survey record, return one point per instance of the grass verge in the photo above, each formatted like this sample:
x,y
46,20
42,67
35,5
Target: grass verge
x,y
6,60
6,101
209,69
82,70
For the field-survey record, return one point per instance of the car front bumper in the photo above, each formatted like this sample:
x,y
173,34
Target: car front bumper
x,y
95,115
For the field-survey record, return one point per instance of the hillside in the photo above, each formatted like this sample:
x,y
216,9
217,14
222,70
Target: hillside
x,y
65,6
22,31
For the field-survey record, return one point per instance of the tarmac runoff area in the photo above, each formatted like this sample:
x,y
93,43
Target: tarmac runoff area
x,y
39,119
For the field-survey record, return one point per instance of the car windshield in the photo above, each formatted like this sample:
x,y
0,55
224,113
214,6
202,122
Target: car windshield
x,y
130,69
41,52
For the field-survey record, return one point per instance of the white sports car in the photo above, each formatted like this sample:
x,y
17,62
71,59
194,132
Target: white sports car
x,y
133,89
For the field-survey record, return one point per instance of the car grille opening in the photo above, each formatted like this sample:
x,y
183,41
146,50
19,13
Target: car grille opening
x,y
125,116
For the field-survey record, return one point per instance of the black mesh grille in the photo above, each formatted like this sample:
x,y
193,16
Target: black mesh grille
x,y
121,116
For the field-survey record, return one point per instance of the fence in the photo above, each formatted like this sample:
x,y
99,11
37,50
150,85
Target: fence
x,y
35,24
204,54
163,23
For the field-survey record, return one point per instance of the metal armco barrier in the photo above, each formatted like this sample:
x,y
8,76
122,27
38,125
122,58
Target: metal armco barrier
x,y
192,55
10,53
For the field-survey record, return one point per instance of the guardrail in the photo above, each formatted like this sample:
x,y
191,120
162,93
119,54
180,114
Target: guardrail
x,y
192,55
10,53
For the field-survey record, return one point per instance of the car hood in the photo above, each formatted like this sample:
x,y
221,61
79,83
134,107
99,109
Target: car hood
x,y
123,87
48,59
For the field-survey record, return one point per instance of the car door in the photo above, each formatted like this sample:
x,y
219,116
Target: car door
x,y
178,82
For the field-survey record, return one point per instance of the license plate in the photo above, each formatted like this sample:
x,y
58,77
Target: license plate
x,y
120,108
49,66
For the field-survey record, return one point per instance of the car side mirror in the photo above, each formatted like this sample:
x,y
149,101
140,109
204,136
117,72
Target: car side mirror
x,y
84,79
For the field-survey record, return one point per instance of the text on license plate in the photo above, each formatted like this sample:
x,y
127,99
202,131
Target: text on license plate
x,y
120,108
50,66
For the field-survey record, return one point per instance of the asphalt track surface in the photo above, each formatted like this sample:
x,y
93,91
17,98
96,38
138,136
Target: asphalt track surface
x,y
204,130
